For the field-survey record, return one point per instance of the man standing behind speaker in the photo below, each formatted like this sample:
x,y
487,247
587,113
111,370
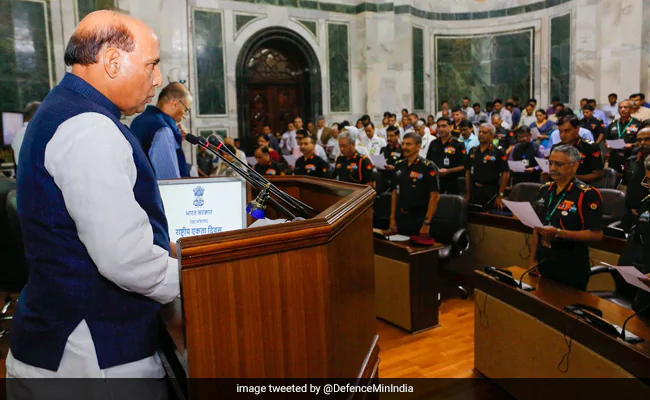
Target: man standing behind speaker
x,y
159,131
93,223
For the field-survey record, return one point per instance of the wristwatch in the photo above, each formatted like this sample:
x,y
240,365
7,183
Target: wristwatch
x,y
501,194
557,234
427,222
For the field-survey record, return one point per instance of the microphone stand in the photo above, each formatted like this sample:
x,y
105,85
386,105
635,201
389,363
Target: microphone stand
x,y
195,140
260,180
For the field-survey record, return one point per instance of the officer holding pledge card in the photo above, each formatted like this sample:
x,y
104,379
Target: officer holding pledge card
x,y
572,215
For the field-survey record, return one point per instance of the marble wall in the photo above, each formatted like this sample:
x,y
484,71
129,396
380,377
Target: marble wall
x,y
608,41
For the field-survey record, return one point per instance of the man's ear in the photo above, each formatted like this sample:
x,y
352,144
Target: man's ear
x,y
112,62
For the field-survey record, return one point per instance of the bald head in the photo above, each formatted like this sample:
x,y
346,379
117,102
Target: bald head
x,y
118,55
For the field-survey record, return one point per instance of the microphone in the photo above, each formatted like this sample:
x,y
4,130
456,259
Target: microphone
x,y
255,179
291,201
257,207
529,270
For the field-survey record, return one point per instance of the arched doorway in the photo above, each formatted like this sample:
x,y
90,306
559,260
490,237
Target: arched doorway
x,y
278,79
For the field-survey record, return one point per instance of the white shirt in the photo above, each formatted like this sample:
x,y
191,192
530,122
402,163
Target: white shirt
x,y
611,111
17,143
333,148
427,139
373,145
97,188
470,112
506,116
319,134
556,138
288,142
527,120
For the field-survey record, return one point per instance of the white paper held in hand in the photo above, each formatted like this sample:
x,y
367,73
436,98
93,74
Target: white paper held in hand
x,y
378,161
534,133
516,166
291,159
543,164
524,212
631,276
617,144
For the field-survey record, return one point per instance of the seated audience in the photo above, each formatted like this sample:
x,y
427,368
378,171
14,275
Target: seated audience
x,y
611,109
427,138
288,141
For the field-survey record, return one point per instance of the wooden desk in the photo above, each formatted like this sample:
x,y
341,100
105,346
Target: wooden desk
x,y
522,334
407,285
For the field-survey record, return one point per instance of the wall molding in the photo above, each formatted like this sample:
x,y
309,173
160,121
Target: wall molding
x,y
409,9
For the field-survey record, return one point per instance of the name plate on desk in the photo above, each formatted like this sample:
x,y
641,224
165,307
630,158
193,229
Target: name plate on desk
x,y
203,206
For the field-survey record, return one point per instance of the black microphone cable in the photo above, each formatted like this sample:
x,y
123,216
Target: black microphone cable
x,y
195,140
632,316
297,204
521,279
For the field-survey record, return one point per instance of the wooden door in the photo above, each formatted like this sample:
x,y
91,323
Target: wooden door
x,y
276,105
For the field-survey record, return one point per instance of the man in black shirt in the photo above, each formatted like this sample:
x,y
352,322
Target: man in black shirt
x,y
635,174
626,128
350,166
204,162
310,164
595,125
591,165
265,166
526,151
448,154
487,171
392,152
571,211
415,197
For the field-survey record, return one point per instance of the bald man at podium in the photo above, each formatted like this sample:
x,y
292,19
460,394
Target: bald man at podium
x,y
94,228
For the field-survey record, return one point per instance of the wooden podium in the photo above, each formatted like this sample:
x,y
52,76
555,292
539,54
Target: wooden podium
x,y
293,300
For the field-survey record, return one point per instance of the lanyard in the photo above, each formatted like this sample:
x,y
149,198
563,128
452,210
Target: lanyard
x,y
549,215
621,133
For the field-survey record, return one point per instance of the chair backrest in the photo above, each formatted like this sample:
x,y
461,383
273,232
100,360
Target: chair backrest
x,y
13,269
6,186
613,205
450,217
525,191
608,181
382,210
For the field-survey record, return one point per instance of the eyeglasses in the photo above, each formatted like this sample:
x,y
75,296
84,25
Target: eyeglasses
x,y
559,163
187,110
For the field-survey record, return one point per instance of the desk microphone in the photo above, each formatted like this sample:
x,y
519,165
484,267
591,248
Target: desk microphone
x,y
529,270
